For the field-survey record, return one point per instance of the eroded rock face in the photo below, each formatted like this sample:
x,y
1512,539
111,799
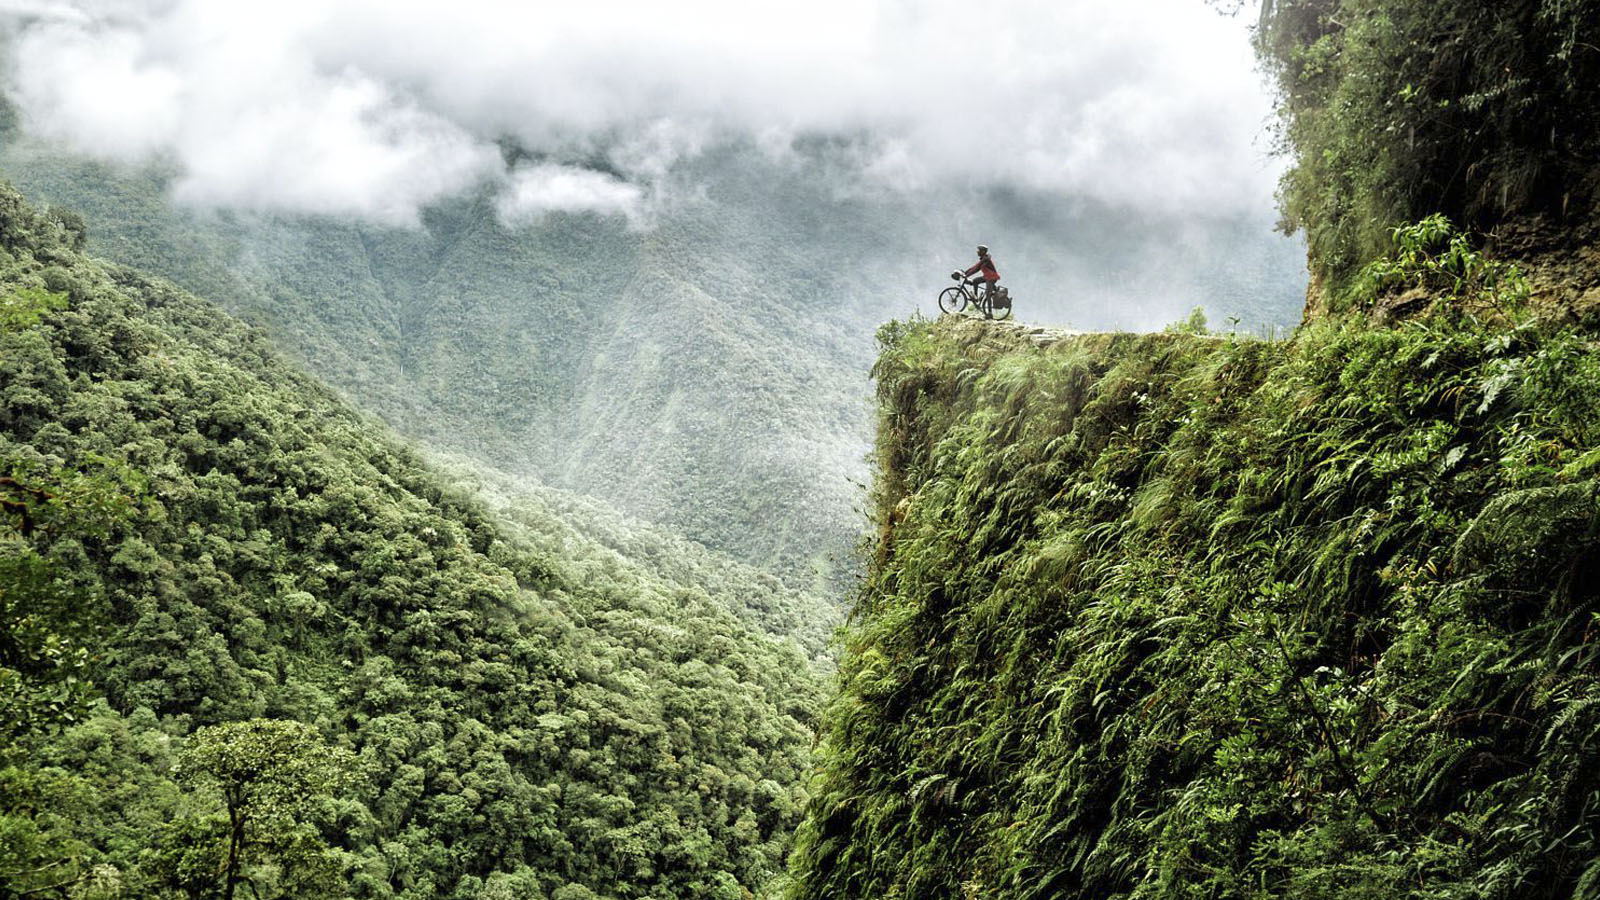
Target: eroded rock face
x,y
1589,303
1528,538
1399,306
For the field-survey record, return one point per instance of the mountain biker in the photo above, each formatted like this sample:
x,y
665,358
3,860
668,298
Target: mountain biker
x,y
990,276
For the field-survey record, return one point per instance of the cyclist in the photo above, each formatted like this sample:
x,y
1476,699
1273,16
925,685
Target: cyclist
x,y
990,276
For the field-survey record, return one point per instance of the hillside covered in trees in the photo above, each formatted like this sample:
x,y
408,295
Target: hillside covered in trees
x,y
705,371
710,388
251,645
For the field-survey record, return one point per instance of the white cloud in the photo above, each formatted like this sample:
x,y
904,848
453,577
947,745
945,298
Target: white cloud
x,y
375,107
42,10
95,90
346,145
537,190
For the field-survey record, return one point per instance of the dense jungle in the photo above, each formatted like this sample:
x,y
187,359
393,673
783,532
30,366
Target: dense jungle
x,y
620,522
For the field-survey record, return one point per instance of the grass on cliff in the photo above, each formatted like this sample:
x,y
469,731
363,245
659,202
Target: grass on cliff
x,y
1181,616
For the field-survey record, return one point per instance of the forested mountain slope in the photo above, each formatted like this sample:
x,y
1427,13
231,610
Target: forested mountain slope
x,y
706,370
207,536
562,523
1178,616
698,375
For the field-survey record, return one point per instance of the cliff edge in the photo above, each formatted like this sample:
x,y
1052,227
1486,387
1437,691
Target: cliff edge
x,y
1179,616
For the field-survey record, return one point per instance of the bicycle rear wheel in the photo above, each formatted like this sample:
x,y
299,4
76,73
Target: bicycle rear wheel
x,y
952,299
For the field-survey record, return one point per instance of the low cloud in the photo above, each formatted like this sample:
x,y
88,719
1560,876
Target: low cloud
x,y
252,119
94,91
348,147
376,108
536,191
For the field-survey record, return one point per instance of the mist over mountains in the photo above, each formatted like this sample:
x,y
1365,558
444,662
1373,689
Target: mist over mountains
x,y
497,451
375,110
707,373
647,266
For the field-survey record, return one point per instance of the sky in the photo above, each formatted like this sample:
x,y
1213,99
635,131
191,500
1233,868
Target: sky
x,y
376,108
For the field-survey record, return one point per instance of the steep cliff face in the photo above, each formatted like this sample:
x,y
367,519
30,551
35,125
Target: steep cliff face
x,y
1177,615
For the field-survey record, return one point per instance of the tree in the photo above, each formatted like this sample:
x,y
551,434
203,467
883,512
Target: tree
x,y
45,633
24,308
272,776
47,625
46,620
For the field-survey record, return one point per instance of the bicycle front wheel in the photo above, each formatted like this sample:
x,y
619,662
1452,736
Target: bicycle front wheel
x,y
952,299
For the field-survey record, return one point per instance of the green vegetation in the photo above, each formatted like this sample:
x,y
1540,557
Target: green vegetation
x,y
563,524
708,376
1397,109
707,373
1183,616
272,776
253,647
1433,261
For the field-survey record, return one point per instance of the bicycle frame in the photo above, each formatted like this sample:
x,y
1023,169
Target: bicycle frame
x,y
971,295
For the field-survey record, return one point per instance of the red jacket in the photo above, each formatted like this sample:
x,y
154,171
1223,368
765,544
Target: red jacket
x,y
986,263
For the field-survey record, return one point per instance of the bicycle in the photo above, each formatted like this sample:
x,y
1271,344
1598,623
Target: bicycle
x,y
962,295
